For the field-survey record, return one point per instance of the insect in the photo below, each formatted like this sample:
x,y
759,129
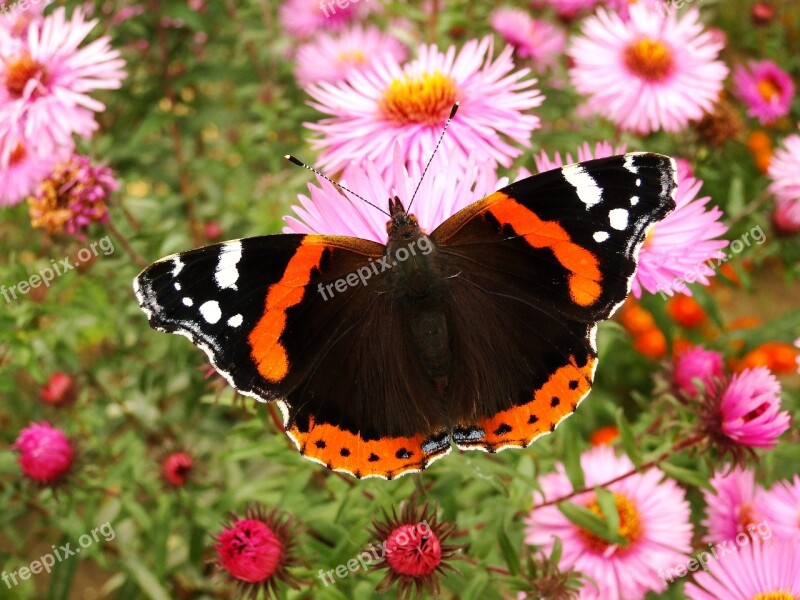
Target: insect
x,y
479,334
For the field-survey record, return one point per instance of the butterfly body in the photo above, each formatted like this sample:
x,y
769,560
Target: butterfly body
x,y
479,334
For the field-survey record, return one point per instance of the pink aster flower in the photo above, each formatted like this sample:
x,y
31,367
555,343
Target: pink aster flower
x,y
765,88
654,519
304,18
331,57
781,509
16,18
72,197
567,9
677,249
755,571
749,409
45,453
731,507
531,38
585,152
410,104
697,363
46,83
650,73
446,189
256,551
784,171
22,167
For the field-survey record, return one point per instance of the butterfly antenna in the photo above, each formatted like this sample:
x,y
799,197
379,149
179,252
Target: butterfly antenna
x,y
441,137
300,163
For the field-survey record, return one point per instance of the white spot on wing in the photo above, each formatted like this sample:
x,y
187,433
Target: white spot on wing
x,y
226,273
634,200
235,321
628,164
177,266
618,218
177,286
588,191
600,236
188,302
638,182
211,312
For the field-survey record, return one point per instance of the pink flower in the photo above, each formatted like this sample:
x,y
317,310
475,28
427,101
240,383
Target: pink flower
x,y
176,468
18,17
697,363
60,390
585,152
786,218
568,9
45,453
531,38
762,571
46,83
72,197
730,508
766,89
332,57
410,104
784,171
22,168
781,509
650,73
750,409
654,519
677,249
256,551
446,189
304,18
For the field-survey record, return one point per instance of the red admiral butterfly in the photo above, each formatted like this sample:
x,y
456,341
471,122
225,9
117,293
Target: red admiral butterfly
x,y
480,333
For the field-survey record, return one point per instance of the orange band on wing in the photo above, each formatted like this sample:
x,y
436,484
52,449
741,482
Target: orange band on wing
x,y
267,351
584,281
554,401
341,450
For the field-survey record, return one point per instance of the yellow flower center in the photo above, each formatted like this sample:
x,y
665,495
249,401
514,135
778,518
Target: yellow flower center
x,y
768,89
21,71
630,527
776,595
426,99
649,59
18,155
352,57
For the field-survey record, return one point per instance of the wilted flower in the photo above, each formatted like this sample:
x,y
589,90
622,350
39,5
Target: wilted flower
x,y
72,197
415,550
654,520
730,508
257,551
410,104
536,39
755,571
45,453
60,390
697,363
650,73
765,88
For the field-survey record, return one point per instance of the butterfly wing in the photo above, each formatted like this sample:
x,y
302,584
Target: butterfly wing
x,y
268,313
550,256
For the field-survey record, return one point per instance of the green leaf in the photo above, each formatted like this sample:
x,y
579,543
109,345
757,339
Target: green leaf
x,y
687,476
509,552
62,575
145,579
626,435
586,519
572,458
608,506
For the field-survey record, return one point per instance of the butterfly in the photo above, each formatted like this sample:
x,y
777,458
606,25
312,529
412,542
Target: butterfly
x,y
480,334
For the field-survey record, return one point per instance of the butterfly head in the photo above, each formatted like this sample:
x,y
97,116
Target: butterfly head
x,y
401,226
